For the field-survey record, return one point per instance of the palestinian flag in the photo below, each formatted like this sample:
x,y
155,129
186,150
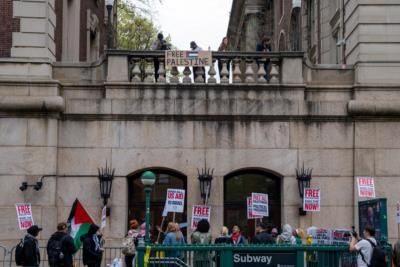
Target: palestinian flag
x,y
79,222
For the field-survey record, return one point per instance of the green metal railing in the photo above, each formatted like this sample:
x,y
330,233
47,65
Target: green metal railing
x,y
248,255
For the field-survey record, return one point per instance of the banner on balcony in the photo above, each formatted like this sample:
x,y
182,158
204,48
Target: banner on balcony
x,y
260,204
175,58
24,215
200,212
250,214
175,200
366,187
312,199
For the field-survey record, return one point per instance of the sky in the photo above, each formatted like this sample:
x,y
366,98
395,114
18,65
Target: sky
x,y
205,21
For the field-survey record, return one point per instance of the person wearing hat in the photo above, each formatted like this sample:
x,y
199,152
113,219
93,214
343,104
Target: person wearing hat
x,y
31,247
92,247
262,236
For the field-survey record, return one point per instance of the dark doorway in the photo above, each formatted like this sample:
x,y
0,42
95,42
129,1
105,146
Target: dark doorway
x,y
239,185
166,178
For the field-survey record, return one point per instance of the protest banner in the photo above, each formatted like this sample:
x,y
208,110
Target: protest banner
x,y
366,187
24,215
250,214
200,212
175,200
311,199
174,58
260,204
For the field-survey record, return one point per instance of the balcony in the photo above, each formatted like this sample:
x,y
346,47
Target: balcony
x,y
244,68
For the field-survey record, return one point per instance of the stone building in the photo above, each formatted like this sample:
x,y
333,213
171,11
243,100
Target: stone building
x,y
66,110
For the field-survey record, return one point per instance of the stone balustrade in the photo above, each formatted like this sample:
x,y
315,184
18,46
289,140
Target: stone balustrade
x,y
228,67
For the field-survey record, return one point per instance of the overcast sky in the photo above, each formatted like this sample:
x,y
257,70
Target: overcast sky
x,y
205,22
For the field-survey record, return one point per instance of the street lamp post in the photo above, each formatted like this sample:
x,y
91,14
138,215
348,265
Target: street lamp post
x,y
109,6
148,179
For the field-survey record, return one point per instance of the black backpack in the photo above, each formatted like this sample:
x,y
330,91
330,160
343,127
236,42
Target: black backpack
x,y
378,257
19,253
54,251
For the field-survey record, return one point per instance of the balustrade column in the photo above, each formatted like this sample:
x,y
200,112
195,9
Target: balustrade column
x,y
249,71
174,75
212,73
274,73
224,72
136,70
149,71
237,73
186,73
161,71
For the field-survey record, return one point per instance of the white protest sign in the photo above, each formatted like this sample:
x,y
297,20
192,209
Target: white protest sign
x,y
250,214
175,200
260,204
165,212
311,199
24,215
103,217
398,212
200,212
321,236
366,187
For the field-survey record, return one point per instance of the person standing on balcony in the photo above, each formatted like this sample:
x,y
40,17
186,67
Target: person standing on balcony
x,y
159,44
224,47
364,247
197,48
237,237
264,46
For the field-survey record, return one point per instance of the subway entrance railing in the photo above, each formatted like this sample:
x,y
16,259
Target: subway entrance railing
x,y
247,68
248,255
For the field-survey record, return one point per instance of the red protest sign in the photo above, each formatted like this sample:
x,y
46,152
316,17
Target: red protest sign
x,y
200,212
311,199
366,187
250,214
24,215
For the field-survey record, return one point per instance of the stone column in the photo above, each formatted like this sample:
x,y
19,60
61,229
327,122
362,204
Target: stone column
x,y
252,26
35,38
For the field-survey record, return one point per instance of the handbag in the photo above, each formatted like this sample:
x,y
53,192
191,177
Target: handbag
x,y
128,246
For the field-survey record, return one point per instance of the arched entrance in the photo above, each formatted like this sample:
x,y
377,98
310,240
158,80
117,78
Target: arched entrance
x,y
166,178
239,185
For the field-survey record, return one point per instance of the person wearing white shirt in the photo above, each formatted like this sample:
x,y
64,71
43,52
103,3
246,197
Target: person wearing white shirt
x,y
363,246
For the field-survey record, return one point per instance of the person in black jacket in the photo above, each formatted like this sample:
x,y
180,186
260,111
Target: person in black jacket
x,y
67,247
262,236
92,247
31,247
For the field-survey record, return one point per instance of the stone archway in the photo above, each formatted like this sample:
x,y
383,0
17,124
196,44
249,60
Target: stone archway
x,y
239,184
166,178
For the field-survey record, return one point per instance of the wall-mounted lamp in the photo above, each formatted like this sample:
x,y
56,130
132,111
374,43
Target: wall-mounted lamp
x,y
37,186
106,177
303,177
205,178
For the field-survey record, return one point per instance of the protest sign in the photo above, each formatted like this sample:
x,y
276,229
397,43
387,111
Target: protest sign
x,y
259,204
250,214
366,187
320,236
174,58
311,199
200,212
341,236
398,212
175,200
24,215
103,217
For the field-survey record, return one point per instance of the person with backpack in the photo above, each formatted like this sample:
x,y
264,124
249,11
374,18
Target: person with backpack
x,y
27,251
92,247
130,242
202,236
60,247
159,44
369,253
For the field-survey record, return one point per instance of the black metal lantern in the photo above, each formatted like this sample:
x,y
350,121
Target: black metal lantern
x,y
106,176
205,178
303,177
